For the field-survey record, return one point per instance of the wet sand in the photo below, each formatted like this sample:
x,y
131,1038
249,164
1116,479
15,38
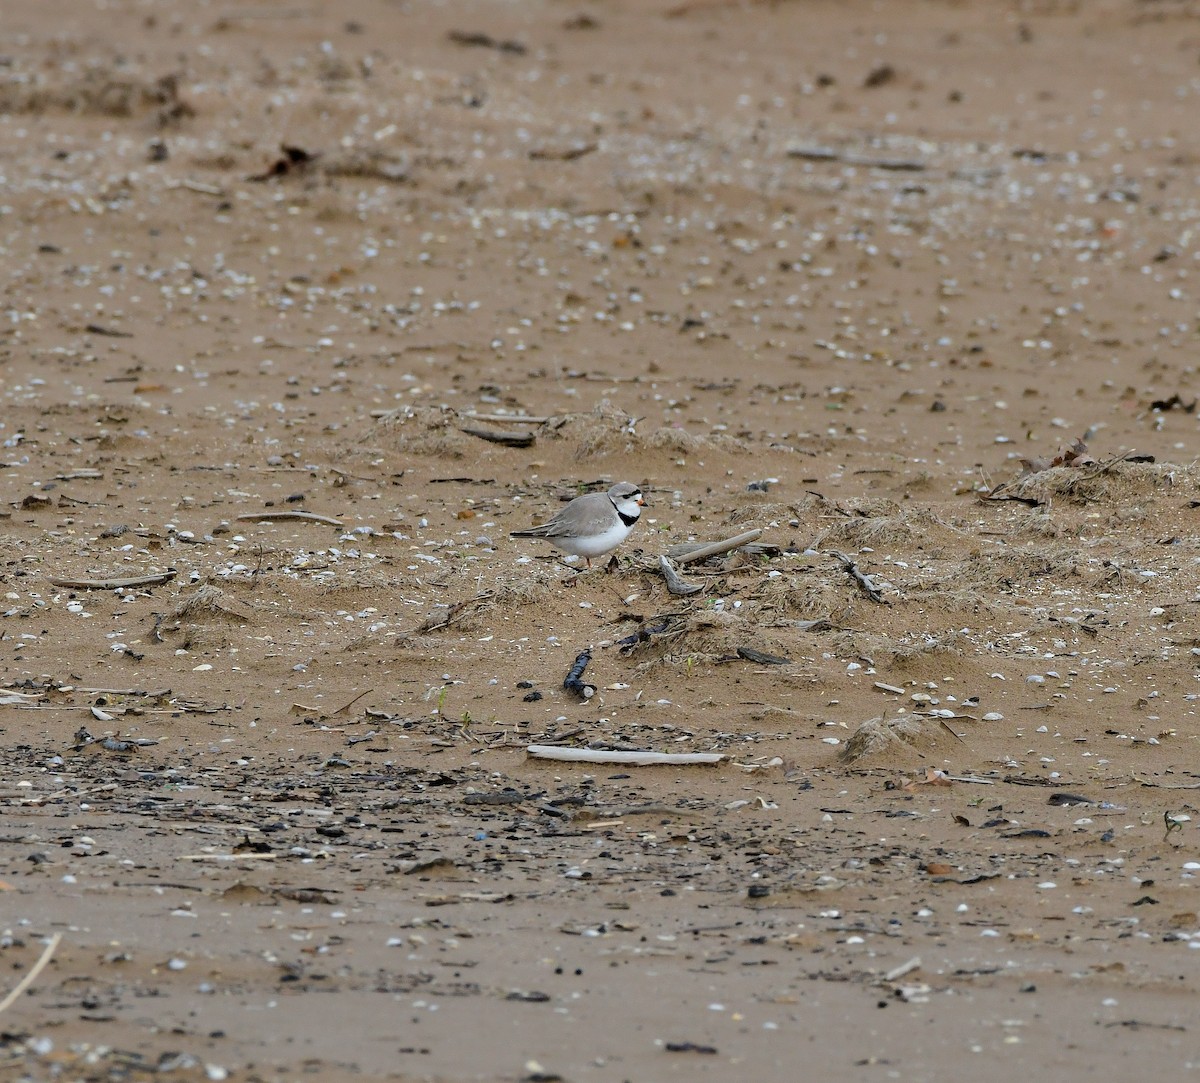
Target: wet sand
x,y
857,276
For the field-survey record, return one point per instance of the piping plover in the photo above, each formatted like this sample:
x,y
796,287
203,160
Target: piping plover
x,y
593,524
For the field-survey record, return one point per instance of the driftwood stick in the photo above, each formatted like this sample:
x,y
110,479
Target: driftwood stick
x,y
898,972
689,554
861,578
34,971
113,584
150,693
507,419
676,584
507,439
197,186
635,759
227,857
574,681
273,516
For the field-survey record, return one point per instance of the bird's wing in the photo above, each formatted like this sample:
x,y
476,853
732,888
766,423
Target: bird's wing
x,y
591,514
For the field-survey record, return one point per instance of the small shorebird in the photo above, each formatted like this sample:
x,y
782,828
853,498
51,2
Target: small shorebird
x,y
593,524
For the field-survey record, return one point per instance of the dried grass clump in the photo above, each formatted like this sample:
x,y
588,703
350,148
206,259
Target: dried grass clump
x,y
808,594
420,430
680,441
467,614
209,601
204,637
883,523
1115,484
1009,567
704,636
900,651
370,578
754,507
607,431
202,619
1038,523
529,588
920,645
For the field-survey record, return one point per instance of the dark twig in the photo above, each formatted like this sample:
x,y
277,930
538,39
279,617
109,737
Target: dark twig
x,y
996,496
832,154
486,41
